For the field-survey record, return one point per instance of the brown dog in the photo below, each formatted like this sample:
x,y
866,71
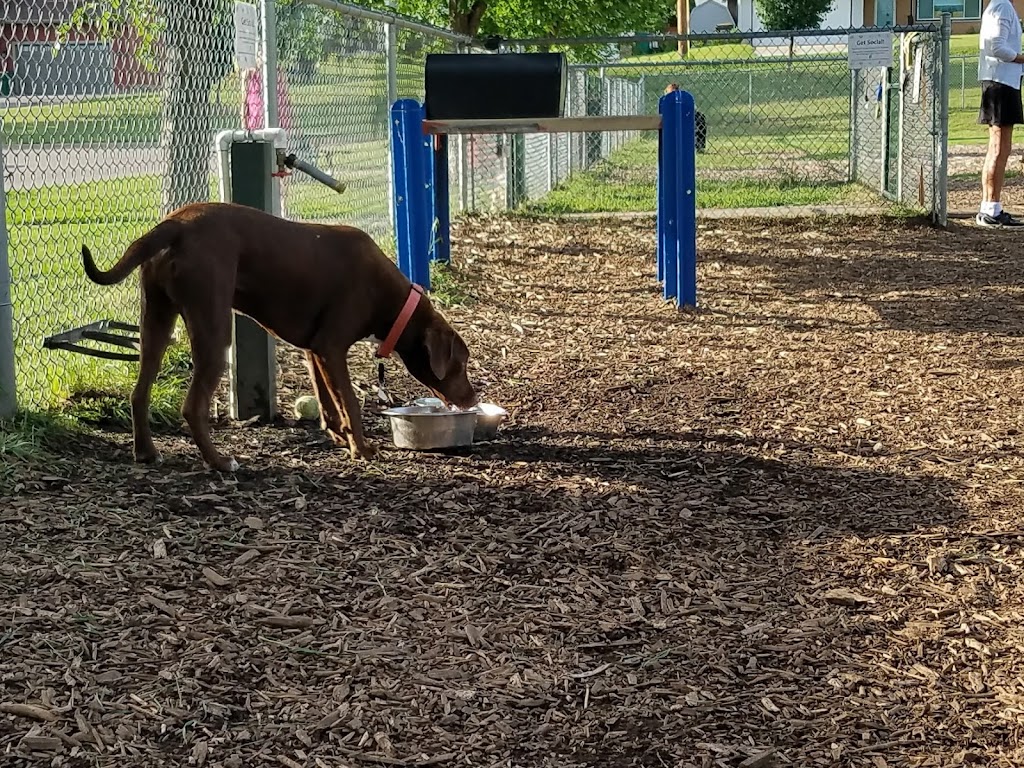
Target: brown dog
x,y
319,288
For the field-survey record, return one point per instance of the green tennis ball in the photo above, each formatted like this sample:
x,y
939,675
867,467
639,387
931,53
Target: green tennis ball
x,y
307,408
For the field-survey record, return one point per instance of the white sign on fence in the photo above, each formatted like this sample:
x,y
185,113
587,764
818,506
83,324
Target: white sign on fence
x,y
246,35
869,50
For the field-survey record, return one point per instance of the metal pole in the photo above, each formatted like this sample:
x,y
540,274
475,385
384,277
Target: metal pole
x,y
901,114
963,83
8,392
270,105
269,55
750,96
942,136
391,49
253,363
883,178
854,136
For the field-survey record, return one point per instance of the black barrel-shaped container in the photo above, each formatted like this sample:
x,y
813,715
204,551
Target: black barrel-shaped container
x,y
479,86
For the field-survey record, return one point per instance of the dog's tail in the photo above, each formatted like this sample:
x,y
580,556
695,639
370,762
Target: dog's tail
x,y
161,237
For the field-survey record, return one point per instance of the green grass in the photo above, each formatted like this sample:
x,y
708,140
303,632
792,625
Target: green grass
x,y
47,227
593,193
962,45
447,287
25,438
703,52
340,91
625,182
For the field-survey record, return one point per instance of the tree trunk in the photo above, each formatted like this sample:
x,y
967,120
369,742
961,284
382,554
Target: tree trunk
x,y
194,46
467,21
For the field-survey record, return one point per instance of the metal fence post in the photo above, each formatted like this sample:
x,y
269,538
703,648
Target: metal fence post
x,y
942,134
253,362
901,123
271,118
750,96
391,51
854,134
963,82
8,391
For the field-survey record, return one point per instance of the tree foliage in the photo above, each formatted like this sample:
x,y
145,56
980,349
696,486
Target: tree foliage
x,y
539,18
792,14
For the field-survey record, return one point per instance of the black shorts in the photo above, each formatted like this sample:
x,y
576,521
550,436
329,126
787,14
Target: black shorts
x,y
1000,104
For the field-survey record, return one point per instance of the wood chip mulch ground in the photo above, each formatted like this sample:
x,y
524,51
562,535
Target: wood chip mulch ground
x,y
784,531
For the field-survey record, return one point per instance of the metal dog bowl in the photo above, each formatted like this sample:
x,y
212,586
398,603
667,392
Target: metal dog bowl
x,y
488,419
427,427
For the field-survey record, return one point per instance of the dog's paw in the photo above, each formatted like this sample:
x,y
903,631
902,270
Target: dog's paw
x,y
365,452
337,437
226,464
148,457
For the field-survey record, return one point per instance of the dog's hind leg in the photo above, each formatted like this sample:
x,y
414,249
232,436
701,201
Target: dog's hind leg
x,y
155,329
339,383
209,329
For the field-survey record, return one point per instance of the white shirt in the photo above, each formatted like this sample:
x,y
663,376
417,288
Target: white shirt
x,y
1000,44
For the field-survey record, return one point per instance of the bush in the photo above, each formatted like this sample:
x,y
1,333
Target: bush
x,y
792,14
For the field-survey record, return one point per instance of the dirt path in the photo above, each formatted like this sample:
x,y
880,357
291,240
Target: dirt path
x,y
785,531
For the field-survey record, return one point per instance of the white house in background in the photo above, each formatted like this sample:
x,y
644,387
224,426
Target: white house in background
x,y
843,14
707,15
846,14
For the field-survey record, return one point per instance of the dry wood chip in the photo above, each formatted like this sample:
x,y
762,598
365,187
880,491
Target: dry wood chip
x,y
246,557
160,605
288,622
41,743
30,711
215,578
768,522
847,597
765,759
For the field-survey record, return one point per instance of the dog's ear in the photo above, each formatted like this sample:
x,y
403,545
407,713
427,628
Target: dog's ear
x,y
441,349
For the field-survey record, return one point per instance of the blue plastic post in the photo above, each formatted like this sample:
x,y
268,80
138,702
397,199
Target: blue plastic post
x,y
686,157
668,193
442,248
412,209
677,198
660,192
428,168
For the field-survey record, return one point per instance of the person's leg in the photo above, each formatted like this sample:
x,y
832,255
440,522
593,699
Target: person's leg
x,y
1001,110
993,174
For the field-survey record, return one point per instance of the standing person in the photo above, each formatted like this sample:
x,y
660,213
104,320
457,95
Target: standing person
x,y
999,71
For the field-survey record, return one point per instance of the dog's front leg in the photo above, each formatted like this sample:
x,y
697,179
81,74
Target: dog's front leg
x,y
339,383
330,417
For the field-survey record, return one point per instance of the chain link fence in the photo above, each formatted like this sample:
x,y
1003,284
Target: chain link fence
x,y
782,123
103,135
895,119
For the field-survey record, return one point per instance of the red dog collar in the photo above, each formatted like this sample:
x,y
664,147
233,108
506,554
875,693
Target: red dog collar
x,y
386,348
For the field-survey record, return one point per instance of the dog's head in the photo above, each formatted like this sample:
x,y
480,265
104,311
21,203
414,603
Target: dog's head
x,y
438,360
